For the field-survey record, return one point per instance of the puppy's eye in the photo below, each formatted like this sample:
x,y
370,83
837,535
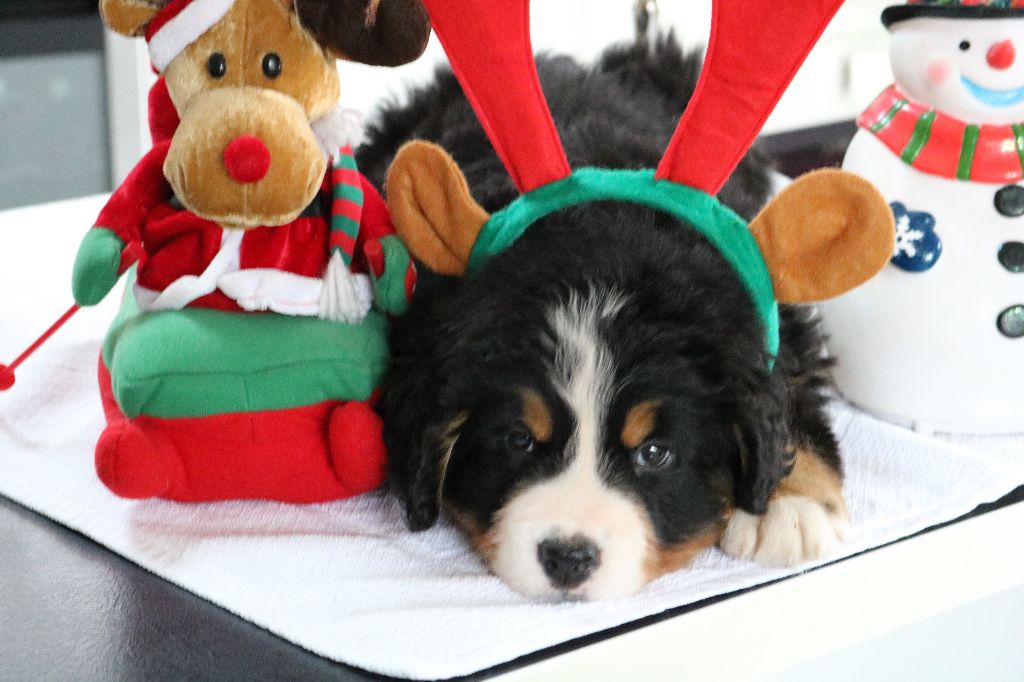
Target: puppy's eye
x,y
520,440
653,456
272,65
217,65
965,45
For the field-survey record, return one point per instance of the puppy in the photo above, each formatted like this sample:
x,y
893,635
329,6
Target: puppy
x,y
595,406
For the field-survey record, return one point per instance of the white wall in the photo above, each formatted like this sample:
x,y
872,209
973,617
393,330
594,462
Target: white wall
x,y
846,70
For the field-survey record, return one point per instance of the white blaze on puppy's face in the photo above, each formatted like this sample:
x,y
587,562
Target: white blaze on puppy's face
x,y
577,504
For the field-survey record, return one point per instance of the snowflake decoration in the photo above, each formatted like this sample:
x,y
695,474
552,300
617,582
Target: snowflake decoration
x,y
906,237
917,247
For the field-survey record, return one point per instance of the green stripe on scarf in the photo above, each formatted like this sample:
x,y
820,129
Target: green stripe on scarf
x,y
1018,136
889,116
352,193
922,131
349,192
963,169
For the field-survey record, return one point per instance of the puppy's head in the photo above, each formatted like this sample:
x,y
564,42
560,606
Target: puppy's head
x,y
588,444
590,419
591,433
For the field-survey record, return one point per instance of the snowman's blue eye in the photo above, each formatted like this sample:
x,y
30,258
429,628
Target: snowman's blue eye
x,y
965,45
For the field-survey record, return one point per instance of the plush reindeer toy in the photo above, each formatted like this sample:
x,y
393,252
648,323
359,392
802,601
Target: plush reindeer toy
x,y
252,338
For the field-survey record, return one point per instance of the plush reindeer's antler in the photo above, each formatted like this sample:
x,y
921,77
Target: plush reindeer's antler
x,y
488,44
377,32
756,48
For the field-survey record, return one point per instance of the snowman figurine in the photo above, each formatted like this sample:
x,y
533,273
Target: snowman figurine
x,y
936,340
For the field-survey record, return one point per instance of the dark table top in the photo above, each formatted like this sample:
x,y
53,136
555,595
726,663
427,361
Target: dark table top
x,y
72,610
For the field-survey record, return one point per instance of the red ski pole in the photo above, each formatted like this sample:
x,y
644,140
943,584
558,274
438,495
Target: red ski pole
x,y
129,256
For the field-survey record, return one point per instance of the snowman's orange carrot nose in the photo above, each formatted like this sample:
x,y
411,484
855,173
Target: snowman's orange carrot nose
x,y
1001,55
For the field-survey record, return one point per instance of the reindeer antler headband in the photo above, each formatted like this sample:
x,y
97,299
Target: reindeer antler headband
x,y
755,50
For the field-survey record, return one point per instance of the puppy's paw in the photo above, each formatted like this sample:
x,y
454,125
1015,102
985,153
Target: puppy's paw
x,y
795,529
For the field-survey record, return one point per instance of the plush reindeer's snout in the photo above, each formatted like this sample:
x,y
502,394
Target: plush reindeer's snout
x,y
259,164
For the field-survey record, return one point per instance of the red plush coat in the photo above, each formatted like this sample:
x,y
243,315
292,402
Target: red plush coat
x,y
177,242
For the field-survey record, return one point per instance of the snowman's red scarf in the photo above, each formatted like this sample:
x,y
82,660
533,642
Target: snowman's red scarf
x,y
941,145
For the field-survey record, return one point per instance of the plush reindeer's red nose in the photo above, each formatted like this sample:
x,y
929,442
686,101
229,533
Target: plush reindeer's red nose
x,y
247,159
1001,55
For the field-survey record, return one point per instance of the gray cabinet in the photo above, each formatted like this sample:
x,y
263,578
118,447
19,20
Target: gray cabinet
x,y
54,131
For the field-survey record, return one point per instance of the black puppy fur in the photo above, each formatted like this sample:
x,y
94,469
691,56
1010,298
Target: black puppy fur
x,y
685,336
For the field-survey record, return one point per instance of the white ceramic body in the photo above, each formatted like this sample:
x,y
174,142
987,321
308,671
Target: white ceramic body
x,y
923,349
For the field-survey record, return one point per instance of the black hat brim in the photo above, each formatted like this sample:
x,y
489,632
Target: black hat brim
x,y
897,13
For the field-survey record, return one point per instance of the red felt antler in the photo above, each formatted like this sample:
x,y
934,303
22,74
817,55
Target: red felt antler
x,y
488,45
756,48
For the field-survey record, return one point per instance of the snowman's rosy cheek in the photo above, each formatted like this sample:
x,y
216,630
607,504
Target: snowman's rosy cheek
x,y
938,71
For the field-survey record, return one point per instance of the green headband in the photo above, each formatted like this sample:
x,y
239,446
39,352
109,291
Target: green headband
x,y
720,225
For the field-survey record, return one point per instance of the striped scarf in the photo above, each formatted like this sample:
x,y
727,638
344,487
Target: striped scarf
x,y
346,204
941,145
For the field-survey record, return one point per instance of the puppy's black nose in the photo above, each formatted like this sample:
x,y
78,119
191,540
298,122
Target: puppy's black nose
x,y
568,562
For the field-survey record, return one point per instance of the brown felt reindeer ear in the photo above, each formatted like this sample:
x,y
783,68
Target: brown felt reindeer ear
x,y
376,32
432,209
130,17
825,234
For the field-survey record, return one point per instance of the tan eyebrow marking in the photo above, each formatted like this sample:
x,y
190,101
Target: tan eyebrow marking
x,y
537,416
640,422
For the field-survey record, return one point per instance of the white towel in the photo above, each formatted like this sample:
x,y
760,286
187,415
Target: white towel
x,y
346,580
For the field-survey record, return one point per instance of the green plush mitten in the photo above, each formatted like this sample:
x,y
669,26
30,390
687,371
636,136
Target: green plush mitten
x,y
390,268
96,266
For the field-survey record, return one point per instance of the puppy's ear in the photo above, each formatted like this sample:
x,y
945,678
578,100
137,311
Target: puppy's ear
x,y
761,436
825,234
432,209
421,422
130,17
426,464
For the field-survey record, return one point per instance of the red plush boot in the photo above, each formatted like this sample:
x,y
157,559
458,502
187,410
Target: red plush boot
x,y
133,464
358,455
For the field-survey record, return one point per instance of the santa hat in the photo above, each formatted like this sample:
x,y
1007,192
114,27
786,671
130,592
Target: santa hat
x,y
179,24
954,9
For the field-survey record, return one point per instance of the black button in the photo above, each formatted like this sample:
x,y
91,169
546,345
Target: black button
x,y
1011,322
1010,201
1011,255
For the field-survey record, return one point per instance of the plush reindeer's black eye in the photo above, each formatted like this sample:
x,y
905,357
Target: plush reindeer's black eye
x,y
272,65
520,440
652,456
965,45
217,65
